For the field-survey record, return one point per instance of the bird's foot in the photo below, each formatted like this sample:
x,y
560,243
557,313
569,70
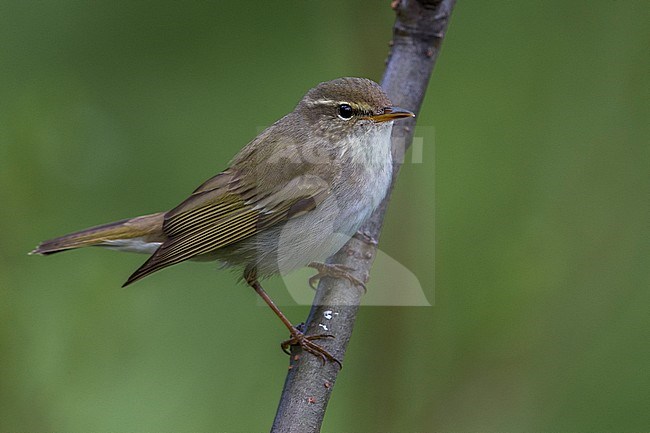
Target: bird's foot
x,y
365,237
334,271
306,342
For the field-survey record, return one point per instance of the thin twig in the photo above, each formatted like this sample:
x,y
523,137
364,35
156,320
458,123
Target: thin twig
x,y
417,35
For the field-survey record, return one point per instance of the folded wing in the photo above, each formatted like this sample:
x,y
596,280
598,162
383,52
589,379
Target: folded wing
x,y
225,210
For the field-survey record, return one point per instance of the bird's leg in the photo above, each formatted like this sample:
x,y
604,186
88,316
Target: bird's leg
x,y
298,338
334,271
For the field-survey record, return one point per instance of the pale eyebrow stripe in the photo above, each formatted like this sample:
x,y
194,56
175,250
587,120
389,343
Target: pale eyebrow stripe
x,y
332,102
327,102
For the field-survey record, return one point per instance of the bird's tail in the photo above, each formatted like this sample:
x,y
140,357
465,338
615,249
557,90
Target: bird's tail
x,y
142,234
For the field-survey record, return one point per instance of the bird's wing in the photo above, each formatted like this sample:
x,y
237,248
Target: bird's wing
x,y
225,210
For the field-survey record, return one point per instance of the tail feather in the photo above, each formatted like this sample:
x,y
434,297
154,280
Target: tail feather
x,y
143,229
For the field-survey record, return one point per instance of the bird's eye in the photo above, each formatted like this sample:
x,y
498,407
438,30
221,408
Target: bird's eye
x,y
345,112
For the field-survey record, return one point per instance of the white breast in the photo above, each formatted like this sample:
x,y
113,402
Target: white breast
x,y
355,195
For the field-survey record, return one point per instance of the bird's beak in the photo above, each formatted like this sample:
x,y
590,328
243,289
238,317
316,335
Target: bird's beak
x,y
391,113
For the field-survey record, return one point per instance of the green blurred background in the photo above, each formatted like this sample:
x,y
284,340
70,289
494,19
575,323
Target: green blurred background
x,y
110,109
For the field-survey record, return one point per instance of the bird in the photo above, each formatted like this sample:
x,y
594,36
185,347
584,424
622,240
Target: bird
x,y
290,198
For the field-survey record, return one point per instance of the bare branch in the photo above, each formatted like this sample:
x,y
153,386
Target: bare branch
x,y
417,35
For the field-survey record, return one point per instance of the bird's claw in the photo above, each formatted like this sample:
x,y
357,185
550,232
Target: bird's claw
x,y
307,344
334,271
